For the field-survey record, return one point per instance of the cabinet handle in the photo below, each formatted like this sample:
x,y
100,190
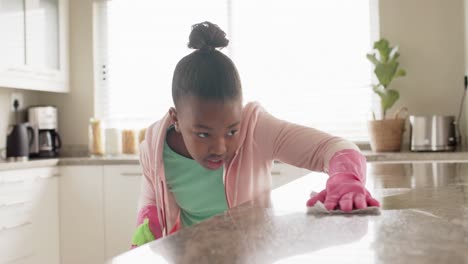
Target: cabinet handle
x,y
30,179
12,181
131,174
6,228
50,176
275,173
13,204
22,258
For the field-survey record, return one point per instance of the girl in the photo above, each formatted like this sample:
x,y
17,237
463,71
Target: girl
x,y
209,153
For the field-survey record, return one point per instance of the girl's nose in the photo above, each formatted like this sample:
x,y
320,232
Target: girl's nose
x,y
218,147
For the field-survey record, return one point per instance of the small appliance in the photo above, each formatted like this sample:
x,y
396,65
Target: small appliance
x,y
19,138
437,132
432,133
46,141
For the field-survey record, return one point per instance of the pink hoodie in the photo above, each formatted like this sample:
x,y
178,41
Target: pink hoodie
x,y
263,138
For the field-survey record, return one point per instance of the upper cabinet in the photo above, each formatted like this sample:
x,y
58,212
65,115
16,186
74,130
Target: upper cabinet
x,y
34,45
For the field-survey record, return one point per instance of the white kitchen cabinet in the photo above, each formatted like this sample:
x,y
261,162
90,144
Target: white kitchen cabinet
x,y
121,191
29,223
82,215
97,211
12,28
282,173
46,225
34,46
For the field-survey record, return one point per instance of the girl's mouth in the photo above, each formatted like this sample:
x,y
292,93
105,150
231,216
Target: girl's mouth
x,y
214,164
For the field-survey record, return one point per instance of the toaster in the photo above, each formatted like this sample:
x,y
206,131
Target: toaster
x,y
432,133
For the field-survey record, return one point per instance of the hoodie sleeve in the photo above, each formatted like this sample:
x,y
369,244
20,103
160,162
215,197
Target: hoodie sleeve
x,y
147,190
297,145
148,224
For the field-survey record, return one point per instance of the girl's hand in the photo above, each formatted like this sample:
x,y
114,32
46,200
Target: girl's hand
x,y
149,227
346,192
345,187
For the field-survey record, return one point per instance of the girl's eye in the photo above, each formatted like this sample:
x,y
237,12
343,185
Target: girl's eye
x,y
202,135
232,133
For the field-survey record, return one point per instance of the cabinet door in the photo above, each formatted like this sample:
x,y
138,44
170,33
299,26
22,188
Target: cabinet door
x,y
29,229
81,215
45,221
42,35
12,46
35,53
121,191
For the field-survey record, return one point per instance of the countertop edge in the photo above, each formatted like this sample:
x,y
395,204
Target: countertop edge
x,y
389,157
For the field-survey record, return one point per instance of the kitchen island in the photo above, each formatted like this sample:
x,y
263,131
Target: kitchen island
x,y
424,219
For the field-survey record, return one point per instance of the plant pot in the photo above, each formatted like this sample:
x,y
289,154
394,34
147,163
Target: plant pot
x,y
386,135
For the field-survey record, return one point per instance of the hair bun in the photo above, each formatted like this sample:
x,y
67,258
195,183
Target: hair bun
x,y
207,36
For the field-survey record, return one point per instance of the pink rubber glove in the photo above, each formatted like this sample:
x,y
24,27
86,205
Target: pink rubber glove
x,y
147,219
345,187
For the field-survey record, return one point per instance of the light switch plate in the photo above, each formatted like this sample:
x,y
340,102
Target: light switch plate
x,y
19,97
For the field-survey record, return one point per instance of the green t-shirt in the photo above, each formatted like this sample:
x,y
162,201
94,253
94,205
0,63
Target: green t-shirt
x,y
199,192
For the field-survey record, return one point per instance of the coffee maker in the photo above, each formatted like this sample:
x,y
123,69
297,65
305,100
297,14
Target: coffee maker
x,y
46,140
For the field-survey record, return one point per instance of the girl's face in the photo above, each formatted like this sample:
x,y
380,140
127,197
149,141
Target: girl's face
x,y
209,129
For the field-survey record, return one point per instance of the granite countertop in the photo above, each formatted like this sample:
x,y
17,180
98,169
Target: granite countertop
x,y
452,156
424,219
403,156
71,161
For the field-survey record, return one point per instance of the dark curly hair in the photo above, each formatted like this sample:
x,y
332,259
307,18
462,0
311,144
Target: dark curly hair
x,y
206,73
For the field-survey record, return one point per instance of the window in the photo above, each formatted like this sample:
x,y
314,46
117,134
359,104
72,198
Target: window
x,y
304,61
139,43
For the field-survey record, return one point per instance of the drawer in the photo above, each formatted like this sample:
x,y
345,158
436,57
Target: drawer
x,y
15,214
17,192
20,186
9,176
16,243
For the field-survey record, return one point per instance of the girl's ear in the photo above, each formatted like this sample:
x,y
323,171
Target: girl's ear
x,y
173,115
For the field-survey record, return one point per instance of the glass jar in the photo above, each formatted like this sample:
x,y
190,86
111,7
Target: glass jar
x,y
113,142
95,137
129,141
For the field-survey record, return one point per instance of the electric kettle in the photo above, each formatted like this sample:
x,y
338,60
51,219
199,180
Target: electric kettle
x,y
19,139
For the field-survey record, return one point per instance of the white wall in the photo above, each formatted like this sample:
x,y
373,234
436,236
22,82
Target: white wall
x,y
76,107
430,34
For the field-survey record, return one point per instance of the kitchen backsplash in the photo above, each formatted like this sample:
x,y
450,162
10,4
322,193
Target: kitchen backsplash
x,y
6,116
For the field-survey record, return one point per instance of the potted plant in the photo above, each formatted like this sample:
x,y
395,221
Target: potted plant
x,y
386,133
